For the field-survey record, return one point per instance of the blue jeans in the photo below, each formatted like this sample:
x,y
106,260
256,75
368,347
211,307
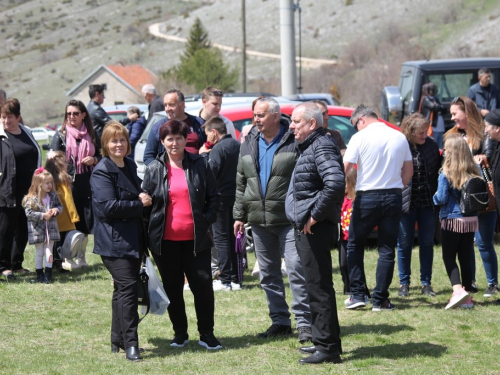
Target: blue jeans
x,y
426,220
438,137
484,242
380,208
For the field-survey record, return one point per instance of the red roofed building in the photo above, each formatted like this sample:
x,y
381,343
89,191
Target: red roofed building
x,y
123,84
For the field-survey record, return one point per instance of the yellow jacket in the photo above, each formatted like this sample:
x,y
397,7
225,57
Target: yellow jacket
x,y
67,219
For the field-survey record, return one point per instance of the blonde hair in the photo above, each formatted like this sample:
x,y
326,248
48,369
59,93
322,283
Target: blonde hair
x,y
458,165
475,125
350,182
34,195
57,165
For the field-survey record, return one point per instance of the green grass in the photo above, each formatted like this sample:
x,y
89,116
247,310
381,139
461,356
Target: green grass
x,y
64,328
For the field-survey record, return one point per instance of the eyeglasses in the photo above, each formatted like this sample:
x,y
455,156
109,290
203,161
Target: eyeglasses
x,y
72,114
357,121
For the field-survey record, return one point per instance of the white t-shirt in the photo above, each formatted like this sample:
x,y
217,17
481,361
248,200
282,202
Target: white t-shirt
x,y
379,151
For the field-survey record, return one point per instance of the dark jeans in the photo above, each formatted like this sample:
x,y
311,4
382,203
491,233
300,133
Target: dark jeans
x,y
177,258
344,270
458,244
426,219
125,318
381,208
224,241
315,254
13,237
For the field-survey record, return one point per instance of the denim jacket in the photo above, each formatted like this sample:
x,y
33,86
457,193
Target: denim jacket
x,y
448,198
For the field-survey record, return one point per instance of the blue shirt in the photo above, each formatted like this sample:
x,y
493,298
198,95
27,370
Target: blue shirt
x,y
266,155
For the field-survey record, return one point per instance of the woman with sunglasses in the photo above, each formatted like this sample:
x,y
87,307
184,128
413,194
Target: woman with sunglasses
x,y
469,123
82,147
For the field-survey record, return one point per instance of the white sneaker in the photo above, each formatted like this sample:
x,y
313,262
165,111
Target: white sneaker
x,y
256,269
218,285
69,265
235,286
457,298
348,299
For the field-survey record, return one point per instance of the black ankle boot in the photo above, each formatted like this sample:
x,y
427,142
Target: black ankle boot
x,y
39,275
48,275
132,354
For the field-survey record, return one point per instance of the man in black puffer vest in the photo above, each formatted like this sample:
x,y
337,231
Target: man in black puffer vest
x,y
313,205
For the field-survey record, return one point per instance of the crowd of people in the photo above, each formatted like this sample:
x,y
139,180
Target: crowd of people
x,y
291,179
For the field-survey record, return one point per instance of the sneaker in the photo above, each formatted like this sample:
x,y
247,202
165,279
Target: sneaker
x,y
468,304
427,290
180,341
404,291
305,334
386,306
457,298
236,286
209,341
352,304
276,330
491,291
367,300
219,285
69,265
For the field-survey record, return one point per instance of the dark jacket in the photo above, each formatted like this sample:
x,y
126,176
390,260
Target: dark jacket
x,y
8,167
156,105
484,99
223,160
251,205
318,186
135,130
495,171
487,147
118,211
99,117
155,147
432,106
432,160
203,197
59,144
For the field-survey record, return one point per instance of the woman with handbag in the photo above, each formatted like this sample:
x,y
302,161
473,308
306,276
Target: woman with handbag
x,y
82,146
469,123
120,237
492,129
417,205
185,203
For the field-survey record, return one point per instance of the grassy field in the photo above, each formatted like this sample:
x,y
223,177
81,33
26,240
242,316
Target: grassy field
x,y
64,328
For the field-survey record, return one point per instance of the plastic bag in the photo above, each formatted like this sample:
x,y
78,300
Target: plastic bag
x,y
158,299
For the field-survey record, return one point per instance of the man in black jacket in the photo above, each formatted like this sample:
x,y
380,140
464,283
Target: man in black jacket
x,y
97,114
223,159
313,205
155,102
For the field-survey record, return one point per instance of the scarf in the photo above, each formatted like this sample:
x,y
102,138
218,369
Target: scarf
x,y
78,153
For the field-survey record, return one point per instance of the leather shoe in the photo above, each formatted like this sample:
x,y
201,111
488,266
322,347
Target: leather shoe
x,y
116,346
133,354
320,357
307,349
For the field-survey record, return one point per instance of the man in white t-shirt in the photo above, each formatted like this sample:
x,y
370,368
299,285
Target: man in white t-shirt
x,y
385,166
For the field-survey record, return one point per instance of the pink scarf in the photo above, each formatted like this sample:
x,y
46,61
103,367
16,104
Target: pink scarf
x,y
78,153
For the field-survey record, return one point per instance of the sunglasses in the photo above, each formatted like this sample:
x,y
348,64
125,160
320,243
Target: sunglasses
x,y
72,114
356,123
456,99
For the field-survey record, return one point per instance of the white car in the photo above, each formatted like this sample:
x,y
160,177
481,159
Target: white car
x,y
42,134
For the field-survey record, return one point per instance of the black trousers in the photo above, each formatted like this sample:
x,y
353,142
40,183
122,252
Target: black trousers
x,y
458,245
125,317
177,258
224,241
13,237
315,254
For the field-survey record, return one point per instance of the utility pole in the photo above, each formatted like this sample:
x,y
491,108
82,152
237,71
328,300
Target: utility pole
x,y
287,33
244,48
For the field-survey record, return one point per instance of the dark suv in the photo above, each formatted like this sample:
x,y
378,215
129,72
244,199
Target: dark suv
x,y
451,77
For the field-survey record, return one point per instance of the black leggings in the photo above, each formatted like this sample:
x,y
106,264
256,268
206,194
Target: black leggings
x,y
458,244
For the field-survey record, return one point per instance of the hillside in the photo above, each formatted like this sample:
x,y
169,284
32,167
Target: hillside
x,y
49,45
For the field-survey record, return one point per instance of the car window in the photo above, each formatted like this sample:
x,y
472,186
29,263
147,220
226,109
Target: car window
x,y
117,116
343,125
239,124
451,85
156,117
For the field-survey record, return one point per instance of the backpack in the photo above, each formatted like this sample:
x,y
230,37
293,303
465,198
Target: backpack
x,y
473,196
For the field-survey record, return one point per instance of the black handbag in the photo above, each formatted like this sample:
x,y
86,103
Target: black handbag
x,y
142,288
473,196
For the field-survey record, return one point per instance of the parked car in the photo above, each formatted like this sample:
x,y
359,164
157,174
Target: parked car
x,y
327,98
119,111
52,126
452,78
42,134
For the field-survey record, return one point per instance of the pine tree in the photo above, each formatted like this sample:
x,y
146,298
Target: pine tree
x,y
198,39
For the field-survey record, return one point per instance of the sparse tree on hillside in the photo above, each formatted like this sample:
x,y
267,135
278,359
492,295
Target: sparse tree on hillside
x,y
201,65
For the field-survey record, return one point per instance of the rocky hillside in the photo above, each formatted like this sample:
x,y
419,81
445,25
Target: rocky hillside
x,y
49,45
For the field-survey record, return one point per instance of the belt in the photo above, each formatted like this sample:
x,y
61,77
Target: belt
x,y
379,191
